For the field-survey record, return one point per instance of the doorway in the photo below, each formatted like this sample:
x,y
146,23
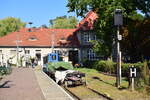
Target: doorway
x,y
38,56
73,56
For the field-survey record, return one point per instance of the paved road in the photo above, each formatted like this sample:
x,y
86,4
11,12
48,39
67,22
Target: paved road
x,y
20,85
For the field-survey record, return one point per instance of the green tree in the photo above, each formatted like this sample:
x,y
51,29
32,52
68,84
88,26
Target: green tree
x,y
136,40
10,24
105,11
44,26
64,22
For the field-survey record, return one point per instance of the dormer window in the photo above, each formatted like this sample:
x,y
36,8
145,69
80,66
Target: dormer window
x,y
62,38
86,37
29,30
32,38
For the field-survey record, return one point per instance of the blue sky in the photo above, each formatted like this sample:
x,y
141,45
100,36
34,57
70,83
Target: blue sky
x,y
37,11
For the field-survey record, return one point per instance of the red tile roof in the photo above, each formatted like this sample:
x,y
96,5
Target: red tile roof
x,y
88,22
41,37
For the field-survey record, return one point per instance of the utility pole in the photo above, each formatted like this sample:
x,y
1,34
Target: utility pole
x,y
17,49
118,21
30,23
52,41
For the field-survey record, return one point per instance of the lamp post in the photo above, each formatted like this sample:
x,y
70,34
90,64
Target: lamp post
x,y
30,23
17,49
118,21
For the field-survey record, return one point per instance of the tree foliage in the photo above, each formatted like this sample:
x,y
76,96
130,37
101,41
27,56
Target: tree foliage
x,y
136,39
64,22
10,24
105,11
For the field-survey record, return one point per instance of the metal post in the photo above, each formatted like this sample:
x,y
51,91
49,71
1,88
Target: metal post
x,y
132,84
118,78
120,67
52,41
118,21
17,53
132,76
118,50
2,59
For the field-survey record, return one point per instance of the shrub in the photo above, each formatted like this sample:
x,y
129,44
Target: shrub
x,y
5,70
89,64
145,73
105,66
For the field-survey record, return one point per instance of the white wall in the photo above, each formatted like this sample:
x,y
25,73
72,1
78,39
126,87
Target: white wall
x,y
44,51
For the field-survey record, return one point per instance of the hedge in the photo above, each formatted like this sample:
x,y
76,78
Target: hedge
x,y
5,70
109,66
142,81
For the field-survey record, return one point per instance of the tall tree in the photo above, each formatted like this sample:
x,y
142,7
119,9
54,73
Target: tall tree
x,y
10,24
105,11
64,22
136,39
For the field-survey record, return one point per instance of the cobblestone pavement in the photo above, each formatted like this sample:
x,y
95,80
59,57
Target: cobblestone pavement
x,y
21,84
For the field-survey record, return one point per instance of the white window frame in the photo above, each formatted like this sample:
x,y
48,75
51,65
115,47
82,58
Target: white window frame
x,y
86,37
91,54
58,52
27,51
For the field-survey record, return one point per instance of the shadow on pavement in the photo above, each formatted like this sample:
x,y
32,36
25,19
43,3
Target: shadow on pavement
x,y
5,84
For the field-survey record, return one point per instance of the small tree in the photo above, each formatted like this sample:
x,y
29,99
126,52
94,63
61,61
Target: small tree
x,y
64,22
10,24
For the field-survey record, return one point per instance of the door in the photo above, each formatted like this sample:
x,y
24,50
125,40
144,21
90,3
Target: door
x,y
73,56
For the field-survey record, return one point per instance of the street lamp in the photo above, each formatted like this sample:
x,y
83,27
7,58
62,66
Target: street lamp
x,y
118,21
17,49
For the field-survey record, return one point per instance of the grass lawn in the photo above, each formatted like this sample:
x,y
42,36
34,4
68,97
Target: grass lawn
x,y
105,85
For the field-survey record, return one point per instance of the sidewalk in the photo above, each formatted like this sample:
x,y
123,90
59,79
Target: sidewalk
x,y
30,84
20,85
50,89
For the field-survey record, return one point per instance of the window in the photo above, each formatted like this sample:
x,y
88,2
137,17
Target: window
x,y
53,57
32,38
0,51
90,54
38,56
27,51
86,37
12,52
58,52
38,51
94,37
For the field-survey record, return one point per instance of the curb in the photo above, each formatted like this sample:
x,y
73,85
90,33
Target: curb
x,y
71,98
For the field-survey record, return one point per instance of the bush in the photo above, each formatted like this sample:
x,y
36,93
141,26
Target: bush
x,y
105,66
5,70
145,73
125,68
89,64
102,65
